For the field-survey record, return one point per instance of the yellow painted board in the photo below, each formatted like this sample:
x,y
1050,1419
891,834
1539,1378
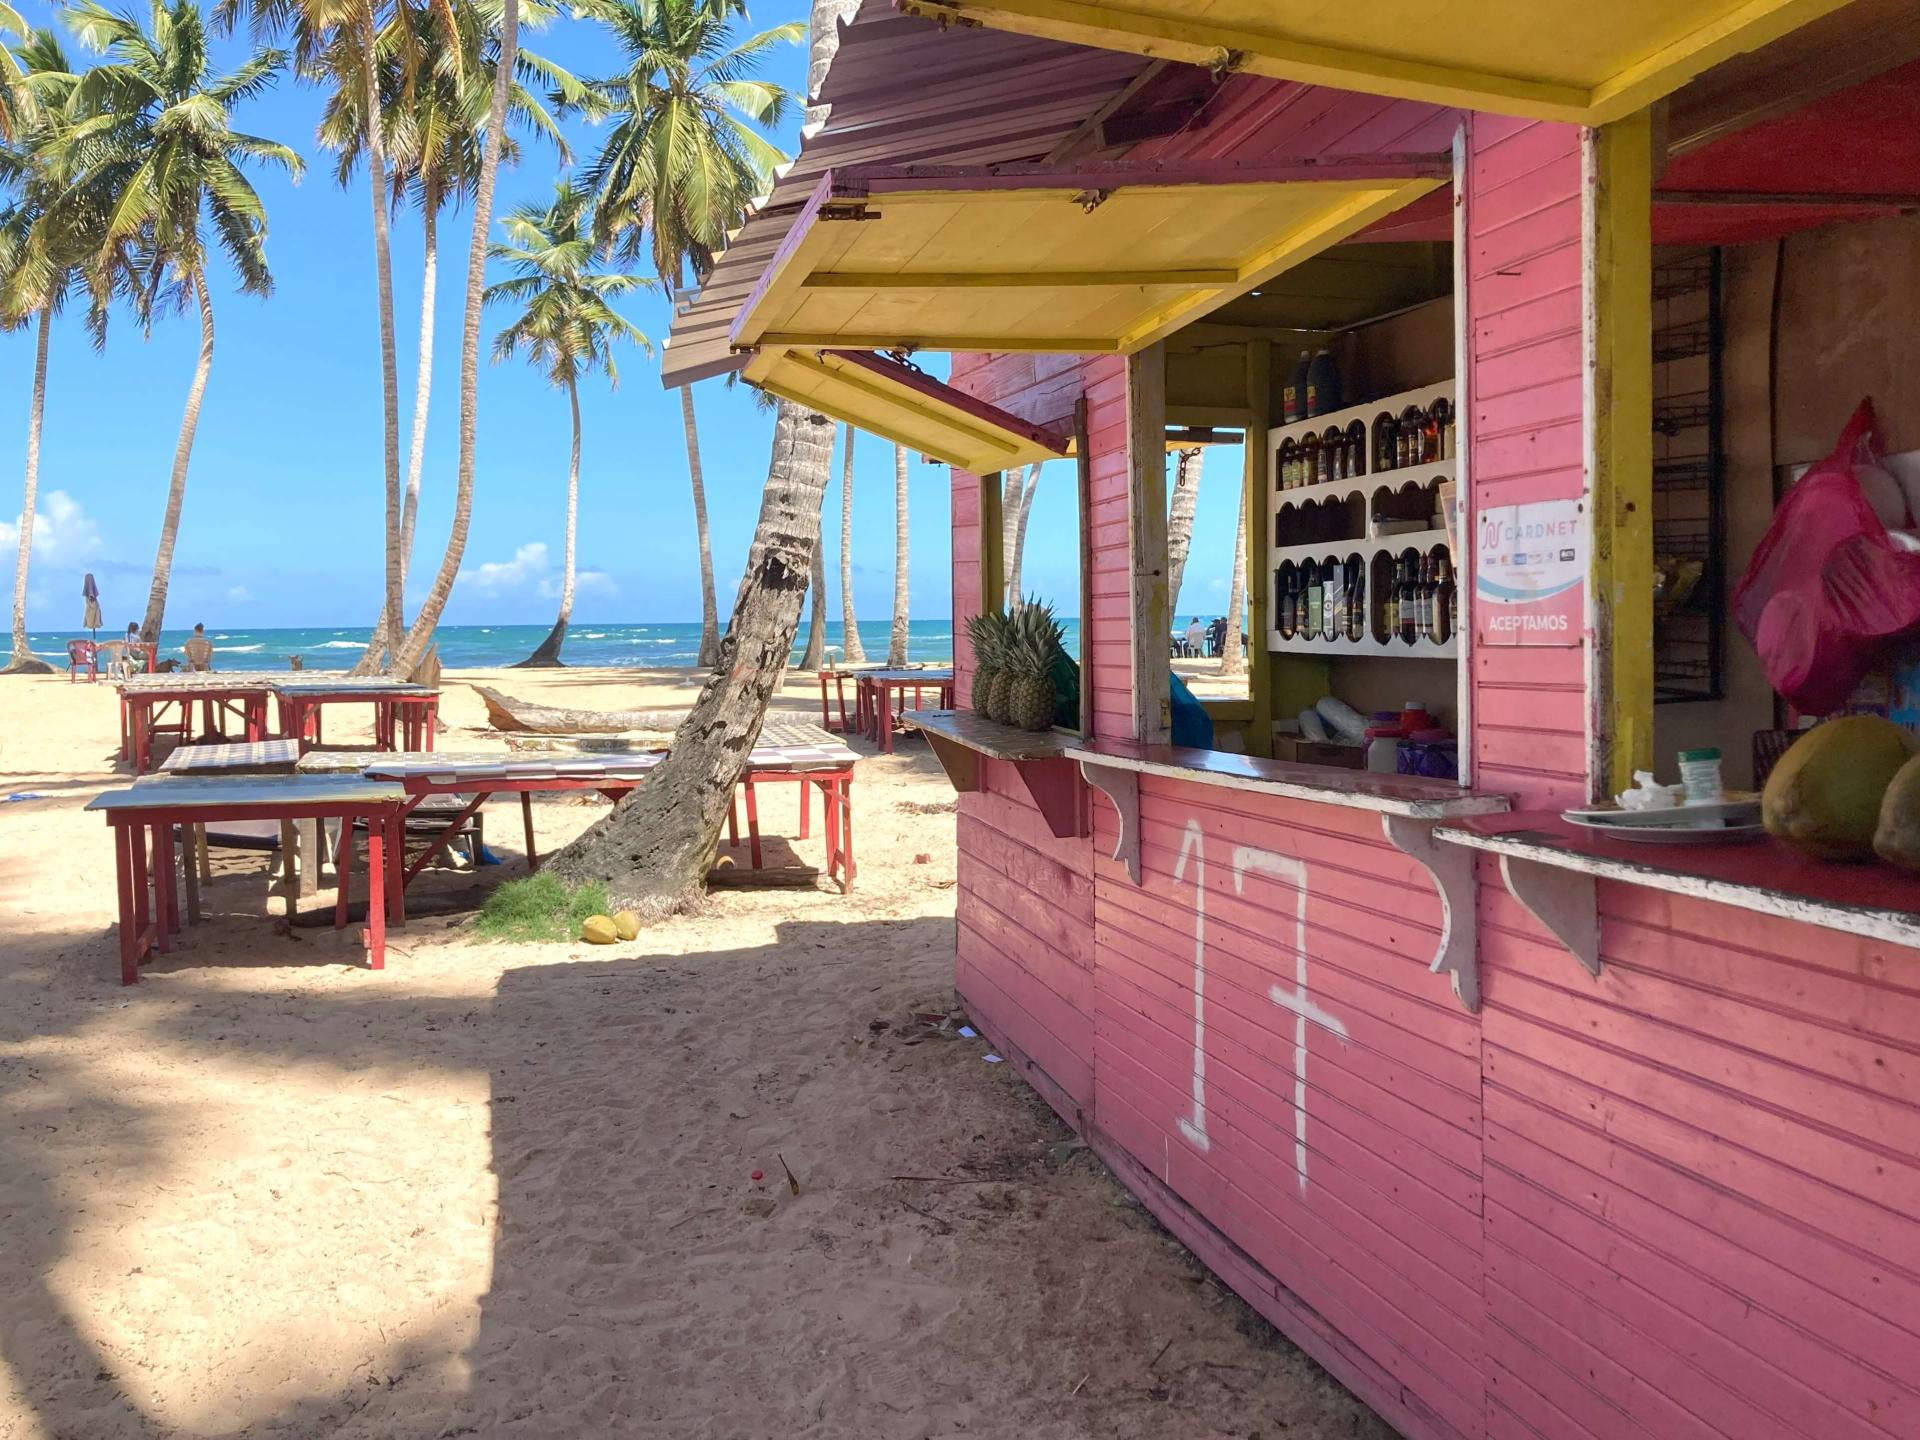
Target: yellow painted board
x,y
1109,275
1568,60
956,430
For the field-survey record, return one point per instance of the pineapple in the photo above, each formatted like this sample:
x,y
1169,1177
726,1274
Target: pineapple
x,y
984,631
1029,661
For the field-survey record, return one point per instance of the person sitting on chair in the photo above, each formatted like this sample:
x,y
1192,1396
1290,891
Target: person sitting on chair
x,y
199,650
132,658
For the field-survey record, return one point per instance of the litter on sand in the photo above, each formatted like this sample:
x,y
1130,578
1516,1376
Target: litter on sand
x,y
969,1032
991,1058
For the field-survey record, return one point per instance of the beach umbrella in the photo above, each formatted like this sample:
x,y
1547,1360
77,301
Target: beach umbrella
x,y
91,593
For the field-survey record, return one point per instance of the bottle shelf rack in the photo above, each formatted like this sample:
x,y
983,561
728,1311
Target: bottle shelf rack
x,y
1365,486
1368,646
1424,541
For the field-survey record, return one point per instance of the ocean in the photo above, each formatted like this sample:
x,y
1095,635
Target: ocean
x,y
472,647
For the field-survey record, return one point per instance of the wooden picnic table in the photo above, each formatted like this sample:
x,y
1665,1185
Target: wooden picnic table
x,y
795,754
875,694
239,695
404,714
143,817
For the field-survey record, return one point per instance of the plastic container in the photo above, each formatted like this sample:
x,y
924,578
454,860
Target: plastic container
x,y
1700,773
1323,385
1293,399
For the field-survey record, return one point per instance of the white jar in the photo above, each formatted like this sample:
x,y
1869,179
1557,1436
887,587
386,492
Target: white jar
x,y
1700,773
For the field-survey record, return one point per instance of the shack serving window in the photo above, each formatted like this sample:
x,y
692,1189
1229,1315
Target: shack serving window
x,y
1783,247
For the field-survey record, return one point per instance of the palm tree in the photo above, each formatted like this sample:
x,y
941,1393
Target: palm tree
x,y
850,628
1232,662
402,659
1180,507
815,654
682,161
435,87
157,139
10,24
47,231
566,327
897,637
1014,547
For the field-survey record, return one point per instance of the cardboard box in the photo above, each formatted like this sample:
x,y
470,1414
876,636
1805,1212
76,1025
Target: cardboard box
x,y
1319,752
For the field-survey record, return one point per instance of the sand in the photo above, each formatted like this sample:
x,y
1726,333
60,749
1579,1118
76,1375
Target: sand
x,y
507,1190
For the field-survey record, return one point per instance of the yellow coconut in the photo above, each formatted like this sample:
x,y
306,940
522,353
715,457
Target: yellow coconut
x,y
599,930
626,925
1897,840
1824,797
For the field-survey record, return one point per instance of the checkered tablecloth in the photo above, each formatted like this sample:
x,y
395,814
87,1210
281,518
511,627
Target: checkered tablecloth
x,y
258,755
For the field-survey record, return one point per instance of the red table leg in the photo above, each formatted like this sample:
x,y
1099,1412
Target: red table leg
x,y
166,920
845,784
129,923
753,823
526,815
376,891
806,807
137,842
733,822
886,718
396,824
826,721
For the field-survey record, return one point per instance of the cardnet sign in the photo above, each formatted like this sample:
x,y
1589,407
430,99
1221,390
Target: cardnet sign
x,y
1530,573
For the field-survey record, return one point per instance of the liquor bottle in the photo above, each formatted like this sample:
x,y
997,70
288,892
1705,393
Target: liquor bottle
x,y
1409,595
1430,436
1357,448
1390,603
1440,416
1356,598
1413,423
1289,456
1323,385
1402,446
1383,441
1440,624
1333,618
1310,461
1333,451
1283,580
1293,398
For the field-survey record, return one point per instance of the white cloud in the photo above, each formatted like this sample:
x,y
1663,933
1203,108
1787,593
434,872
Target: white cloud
x,y
493,577
239,595
63,533
585,582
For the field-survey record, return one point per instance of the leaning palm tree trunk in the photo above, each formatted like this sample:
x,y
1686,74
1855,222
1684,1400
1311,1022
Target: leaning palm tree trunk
x,y
709,609
23,660
897,637
1017,548
383,280
816,652
182,453
851,648
1231,661
407,655
386,632
549,652
1180,508
653,852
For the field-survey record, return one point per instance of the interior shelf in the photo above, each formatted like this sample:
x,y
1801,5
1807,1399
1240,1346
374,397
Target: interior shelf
x,y
1369,646
1421,540
1364,486
1394,404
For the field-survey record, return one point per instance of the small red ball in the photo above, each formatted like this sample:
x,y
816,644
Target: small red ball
x,y
756,1174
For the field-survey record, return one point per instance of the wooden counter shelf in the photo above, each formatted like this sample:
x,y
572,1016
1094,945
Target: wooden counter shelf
x,y
959,738
1552,869
1410,808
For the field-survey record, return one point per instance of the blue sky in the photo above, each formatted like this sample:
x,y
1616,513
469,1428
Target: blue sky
x,y
285,504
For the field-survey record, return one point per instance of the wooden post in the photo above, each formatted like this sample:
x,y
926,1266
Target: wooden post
x,y
1258,482
993,571
1150,610
1619,461
1083,499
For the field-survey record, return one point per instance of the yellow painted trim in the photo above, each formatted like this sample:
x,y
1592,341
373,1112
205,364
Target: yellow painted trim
x,y
1019,280
1296,245
893,340
1198,42
1619,416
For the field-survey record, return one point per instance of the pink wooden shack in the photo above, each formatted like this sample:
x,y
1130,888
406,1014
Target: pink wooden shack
x,y
1519,1133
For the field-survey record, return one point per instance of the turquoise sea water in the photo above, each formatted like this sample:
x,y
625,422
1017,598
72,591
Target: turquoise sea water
x,y
482,646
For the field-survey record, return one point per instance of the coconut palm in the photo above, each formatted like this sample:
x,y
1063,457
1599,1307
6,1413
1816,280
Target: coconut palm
x,y
897,637
435,87
48,232
1181,505
156,138
849,627
566,327
1232,662
403,658
10,24
683,159
1019,506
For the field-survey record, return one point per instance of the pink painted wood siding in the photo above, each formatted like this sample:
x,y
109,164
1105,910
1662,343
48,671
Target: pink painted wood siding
x,y
1523,397
1678,1203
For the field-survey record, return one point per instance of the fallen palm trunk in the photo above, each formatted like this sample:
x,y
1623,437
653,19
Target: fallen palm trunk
x,y
506,713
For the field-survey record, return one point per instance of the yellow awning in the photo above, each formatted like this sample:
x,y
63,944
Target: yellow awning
x,y
1095,260
1573,60
899,403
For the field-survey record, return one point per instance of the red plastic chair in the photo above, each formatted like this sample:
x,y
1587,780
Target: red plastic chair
x,y
82,653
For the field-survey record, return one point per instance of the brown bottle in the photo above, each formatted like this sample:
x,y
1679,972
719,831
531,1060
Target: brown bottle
x,y
1357,448
1440,417
1409,596
1383,441
1333,453
1289,453
1310,460
1440,621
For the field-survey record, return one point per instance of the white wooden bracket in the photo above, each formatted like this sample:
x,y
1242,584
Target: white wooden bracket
x,y
1451,867
1122,787
1562,900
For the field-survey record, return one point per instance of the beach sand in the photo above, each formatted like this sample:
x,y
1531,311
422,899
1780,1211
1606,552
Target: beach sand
x,y
506,1190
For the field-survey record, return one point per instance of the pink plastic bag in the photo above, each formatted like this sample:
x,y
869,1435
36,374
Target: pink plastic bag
x,y
1827,589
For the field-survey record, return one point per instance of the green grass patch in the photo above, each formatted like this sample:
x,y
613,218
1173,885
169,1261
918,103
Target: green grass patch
x,y
539,908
